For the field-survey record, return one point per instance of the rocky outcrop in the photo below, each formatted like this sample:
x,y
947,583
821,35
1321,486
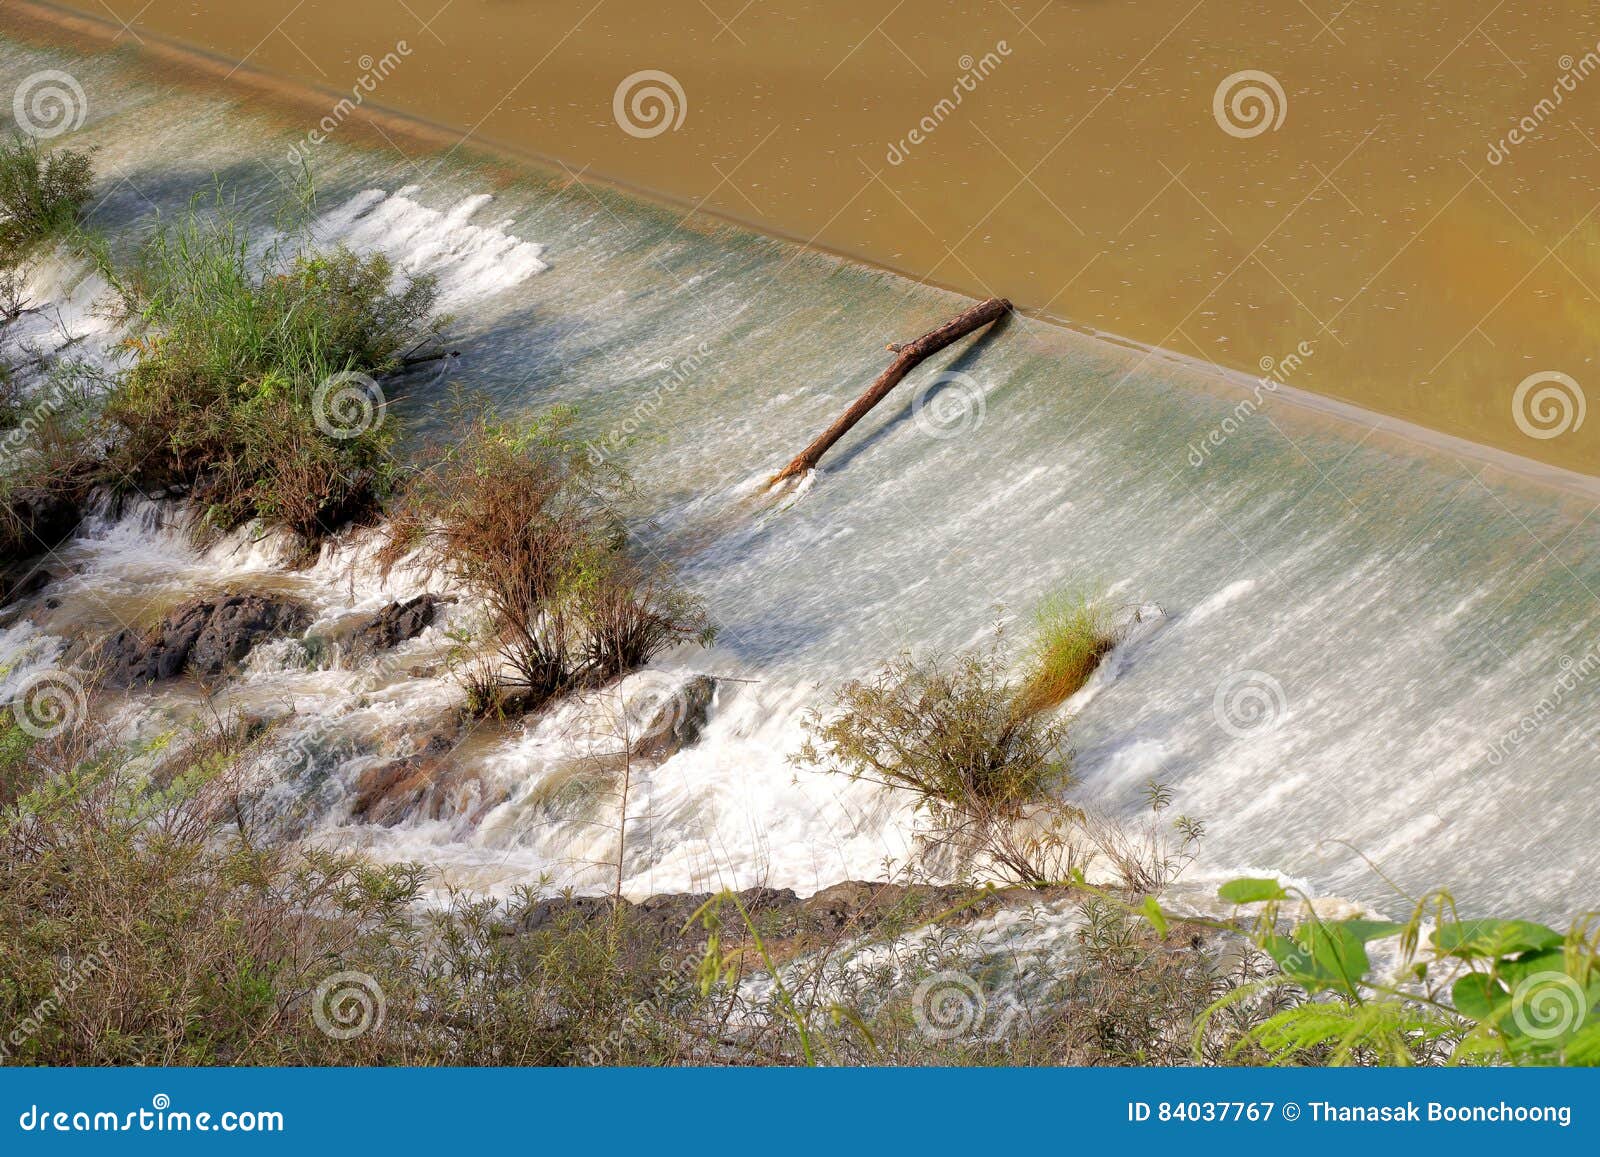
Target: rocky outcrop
x,y
676,721
37,520
21,580
424,785
393,625
205,637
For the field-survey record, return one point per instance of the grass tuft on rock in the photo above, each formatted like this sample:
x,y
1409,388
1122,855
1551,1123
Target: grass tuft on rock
x,y
1072,632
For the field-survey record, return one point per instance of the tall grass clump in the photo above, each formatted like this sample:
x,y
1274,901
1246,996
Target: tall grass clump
x,y
1072,632
42,196
523,517
255,379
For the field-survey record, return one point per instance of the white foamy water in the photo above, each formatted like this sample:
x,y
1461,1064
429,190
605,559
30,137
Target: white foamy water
x,y
469,260
1393,612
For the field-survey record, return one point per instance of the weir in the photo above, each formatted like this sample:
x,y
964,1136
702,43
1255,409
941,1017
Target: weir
x,y
1354,623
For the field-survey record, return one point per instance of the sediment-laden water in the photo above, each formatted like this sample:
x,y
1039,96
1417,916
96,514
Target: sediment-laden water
x,y
1353,626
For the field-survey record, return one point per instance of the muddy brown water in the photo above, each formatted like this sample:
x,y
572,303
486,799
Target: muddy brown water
x,y
1377,210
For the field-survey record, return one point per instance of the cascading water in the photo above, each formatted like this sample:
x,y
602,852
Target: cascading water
x,y
1354,626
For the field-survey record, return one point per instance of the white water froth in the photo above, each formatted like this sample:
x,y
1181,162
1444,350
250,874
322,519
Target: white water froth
x,y
470,261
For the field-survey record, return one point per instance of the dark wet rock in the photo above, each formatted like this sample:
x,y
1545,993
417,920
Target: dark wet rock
x,y
427,784
664,918
23,580
207,637
677,721
38,520
394,624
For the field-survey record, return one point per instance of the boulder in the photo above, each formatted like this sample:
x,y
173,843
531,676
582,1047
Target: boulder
x,y
427,784
22,580
675,722
207,637
38,520
394,624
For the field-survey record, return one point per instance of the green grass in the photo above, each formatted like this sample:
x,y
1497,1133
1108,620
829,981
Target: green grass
x,y
236,390
1072,632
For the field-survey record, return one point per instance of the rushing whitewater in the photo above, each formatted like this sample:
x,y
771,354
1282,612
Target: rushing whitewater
x,y
1352,626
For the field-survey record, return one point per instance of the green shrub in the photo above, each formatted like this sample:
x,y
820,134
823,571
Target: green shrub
x,y
523,517
945,728
255,379
41,196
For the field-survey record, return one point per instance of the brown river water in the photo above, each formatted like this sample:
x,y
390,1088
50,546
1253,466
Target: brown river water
x,y
1397,206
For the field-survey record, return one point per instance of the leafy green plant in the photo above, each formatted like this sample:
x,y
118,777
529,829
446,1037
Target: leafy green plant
x,y
1467,991
42,196
255,379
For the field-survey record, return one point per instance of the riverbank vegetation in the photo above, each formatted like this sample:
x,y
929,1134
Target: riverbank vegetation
x,y
255,379
140,924
42,197
520,515
144,919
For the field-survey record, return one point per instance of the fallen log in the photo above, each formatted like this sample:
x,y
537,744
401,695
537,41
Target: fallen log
x,y
908,355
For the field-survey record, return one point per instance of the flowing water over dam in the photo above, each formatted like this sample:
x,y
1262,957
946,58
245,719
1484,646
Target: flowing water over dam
x,y
1354,622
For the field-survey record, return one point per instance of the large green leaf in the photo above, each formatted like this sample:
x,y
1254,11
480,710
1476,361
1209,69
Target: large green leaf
x,y
1329,955
1251,890
1474,938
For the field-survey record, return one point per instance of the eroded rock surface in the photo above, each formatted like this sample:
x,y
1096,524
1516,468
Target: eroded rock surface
x,y
207,637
